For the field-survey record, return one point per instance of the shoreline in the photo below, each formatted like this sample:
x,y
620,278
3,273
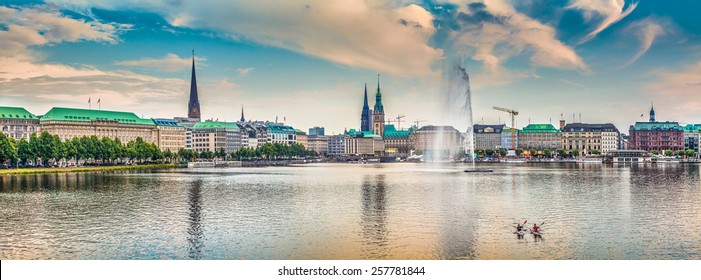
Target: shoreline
x,y
47,170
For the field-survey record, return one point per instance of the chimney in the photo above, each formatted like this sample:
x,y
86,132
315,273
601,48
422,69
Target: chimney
x,y
562,124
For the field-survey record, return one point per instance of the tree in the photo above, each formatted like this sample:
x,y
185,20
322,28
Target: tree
x,y
561,153
595,152
503,152
575,153
668,153
681,153
655,152
547,153
519,152
8,151
24,151
489,152
689,153
532,152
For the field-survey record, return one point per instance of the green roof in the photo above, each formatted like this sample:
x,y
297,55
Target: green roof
x,y
656,126
280,128
540,128
692,127
215,125
392,133
365,134
84,115
16,113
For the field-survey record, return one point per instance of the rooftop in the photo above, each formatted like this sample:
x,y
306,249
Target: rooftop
x,y
540,128
166,122
586,127
392,133
85,115
16,113
216,125
493,128
656,126
280,128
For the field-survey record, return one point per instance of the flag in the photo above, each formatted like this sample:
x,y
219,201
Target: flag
x,y
89,100
98,100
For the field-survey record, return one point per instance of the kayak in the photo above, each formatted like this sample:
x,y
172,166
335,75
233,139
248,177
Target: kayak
x,y
537,233
520,233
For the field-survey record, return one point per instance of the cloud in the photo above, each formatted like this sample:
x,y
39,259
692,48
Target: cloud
x,y
42,25
243,72
677,91
170,63
608,12
493,32
646,31
386,36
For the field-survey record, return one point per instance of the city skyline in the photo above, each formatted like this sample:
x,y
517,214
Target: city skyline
x,y
309,61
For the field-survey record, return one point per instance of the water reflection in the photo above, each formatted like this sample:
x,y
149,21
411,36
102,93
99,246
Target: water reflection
x,y
374,217
195,232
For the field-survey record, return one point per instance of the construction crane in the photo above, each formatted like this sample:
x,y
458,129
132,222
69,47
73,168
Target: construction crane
x,y
417,122
513,125
399,121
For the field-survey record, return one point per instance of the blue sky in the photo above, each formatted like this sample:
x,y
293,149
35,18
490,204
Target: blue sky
x,y
307,61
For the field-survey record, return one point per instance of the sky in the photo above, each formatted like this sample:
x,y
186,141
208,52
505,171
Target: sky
x,y
306,62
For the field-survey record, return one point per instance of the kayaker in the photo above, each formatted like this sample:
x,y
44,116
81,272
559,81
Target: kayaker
x,y
535,228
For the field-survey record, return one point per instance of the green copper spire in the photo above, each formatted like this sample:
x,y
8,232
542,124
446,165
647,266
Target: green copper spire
x,y
378,98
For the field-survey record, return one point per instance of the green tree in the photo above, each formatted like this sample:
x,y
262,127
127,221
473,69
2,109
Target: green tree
x,y
575,153
489,152
595,152
24,151
532,152
689,153
655,152
561,153
503,152
8,150
547,153
668,153
519,152
680,153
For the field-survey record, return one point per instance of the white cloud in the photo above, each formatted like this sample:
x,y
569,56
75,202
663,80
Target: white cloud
x,y
385,35
646,30
609,12
496,32
243,72
170,63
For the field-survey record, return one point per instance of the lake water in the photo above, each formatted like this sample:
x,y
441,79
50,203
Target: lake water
x,y
351,211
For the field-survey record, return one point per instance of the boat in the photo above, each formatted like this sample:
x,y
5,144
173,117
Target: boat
x,y
199,164
590,160
477,170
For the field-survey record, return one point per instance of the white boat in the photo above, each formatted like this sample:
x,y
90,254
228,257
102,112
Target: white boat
x,y
200,164
589,160
513,160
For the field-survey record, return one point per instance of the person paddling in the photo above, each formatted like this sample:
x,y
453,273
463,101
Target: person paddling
x,y
536,228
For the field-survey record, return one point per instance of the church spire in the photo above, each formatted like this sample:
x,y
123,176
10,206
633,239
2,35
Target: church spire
x,y
378,98
365,99
366,115
242,118
193,107
652,112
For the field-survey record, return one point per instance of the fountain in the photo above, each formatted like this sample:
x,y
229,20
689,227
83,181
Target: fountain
x,y
459,107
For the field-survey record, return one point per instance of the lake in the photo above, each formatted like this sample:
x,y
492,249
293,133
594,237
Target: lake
x,y
355,211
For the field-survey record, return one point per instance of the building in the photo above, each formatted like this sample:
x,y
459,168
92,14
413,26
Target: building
x,y
366,115
213,136
656,136
278,133
68,123
540,137
398,142
302,138
337,145
318,143
378,112
692,137
590,138
193,106
623,141
171,135
363,143
249,135
316,131
506,138
18,123
439,141
487,136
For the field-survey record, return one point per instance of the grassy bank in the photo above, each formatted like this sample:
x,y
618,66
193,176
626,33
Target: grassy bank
x,y
18,171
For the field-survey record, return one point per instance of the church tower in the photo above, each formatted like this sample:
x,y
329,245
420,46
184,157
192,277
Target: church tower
x,y
193,107
366,116
378,113
242,118
652,113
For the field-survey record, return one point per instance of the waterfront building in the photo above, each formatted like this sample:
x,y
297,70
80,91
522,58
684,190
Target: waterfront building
x,y
378,112
18,123
540,137
316,131
438,141
213,136
398,142
366,115
302,138
171,135
337,145
363,143
193,106
318,143
630,156
623,141
69,122
279,133
506,138
249,135
692,137
656,136
487,136
588,138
